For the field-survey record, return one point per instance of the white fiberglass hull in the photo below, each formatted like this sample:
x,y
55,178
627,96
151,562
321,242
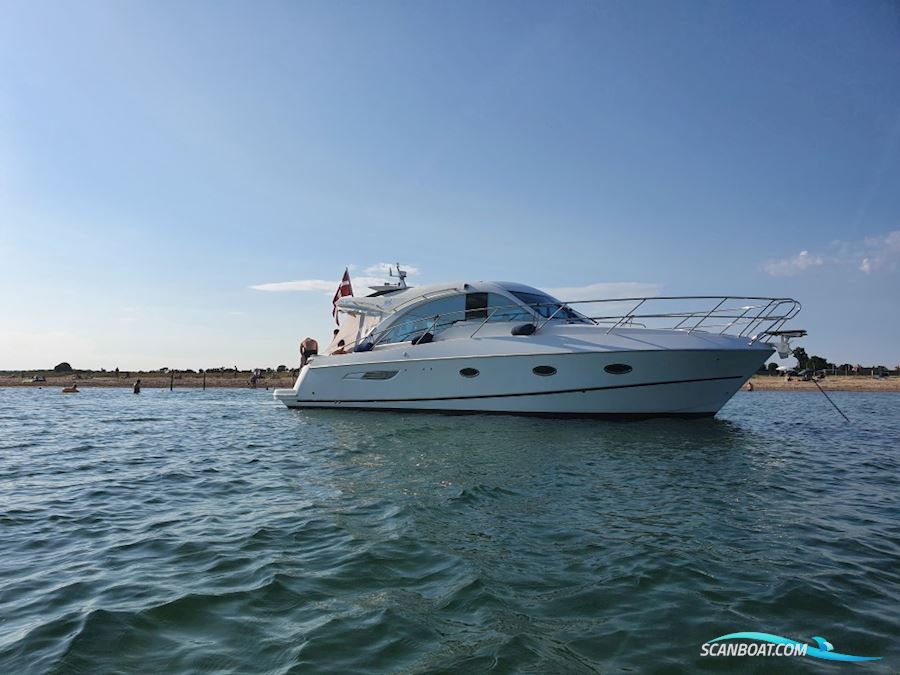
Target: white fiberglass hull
x,y
666,382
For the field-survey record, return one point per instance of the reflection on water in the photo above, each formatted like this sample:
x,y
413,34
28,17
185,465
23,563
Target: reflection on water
x,y
219,531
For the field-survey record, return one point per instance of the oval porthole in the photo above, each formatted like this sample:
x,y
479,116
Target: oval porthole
x,y
469,372
617,368
544,371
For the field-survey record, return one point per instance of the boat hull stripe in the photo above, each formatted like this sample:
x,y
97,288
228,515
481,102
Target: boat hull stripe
x,y
527,393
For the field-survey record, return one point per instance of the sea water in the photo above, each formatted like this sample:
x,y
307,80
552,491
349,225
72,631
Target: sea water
x,y
197,531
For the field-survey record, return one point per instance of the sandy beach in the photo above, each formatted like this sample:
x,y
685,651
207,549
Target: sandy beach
x,y
837,383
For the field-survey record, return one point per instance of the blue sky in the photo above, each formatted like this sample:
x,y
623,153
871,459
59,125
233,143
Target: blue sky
x,y
158,160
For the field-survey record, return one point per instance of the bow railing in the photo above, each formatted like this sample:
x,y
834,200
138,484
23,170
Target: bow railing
x,y
744,316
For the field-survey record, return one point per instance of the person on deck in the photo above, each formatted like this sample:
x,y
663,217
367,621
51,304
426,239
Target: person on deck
x,y
308,347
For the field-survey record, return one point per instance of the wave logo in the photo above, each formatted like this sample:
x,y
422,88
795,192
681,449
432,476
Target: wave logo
x,y
767,644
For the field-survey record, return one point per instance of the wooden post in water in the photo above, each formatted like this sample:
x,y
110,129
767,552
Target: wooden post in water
x,y
171,379
204,380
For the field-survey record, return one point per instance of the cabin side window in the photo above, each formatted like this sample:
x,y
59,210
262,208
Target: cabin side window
x,y
439,314
432,316
493,307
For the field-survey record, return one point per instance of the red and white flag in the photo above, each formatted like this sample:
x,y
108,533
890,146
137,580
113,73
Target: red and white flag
x,y
344,289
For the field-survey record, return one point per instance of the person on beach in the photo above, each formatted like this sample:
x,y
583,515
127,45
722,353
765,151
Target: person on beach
x,y
308,347
137,386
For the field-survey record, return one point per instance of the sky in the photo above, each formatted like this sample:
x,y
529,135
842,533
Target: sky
x,y
165,165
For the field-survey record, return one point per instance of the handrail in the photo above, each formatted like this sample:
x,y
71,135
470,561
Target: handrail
x,y
486,319
624,318
772,315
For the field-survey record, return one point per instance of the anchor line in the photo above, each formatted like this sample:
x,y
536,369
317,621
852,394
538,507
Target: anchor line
x,y
830,401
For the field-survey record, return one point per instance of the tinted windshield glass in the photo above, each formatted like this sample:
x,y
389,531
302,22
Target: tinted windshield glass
x,y
546,306
493,307
441,313
432,316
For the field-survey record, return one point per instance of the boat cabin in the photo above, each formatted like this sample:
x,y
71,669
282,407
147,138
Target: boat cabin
x,y
407,314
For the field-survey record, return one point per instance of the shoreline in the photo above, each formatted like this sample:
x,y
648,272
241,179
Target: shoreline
x,y
151,381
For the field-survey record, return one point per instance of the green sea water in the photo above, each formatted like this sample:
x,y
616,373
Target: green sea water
x,y
218,531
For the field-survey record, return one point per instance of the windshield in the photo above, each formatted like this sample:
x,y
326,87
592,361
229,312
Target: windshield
x,y
547,306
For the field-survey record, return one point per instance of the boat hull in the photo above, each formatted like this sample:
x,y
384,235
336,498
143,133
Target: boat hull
x,y
681,383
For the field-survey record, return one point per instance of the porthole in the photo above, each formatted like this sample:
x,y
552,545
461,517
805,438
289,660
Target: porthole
x,y
544,371
469,372
617,368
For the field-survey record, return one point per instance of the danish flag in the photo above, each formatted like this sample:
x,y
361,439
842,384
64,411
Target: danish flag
x,y
344,289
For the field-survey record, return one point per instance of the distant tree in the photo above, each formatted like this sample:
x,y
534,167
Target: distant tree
x,y
281,369
62,367
801,356
773,368
816,363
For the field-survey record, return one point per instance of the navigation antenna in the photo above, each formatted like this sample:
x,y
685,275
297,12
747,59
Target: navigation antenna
x,y
401,275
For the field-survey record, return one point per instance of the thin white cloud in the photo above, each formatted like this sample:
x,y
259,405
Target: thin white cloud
x,y
786,267
383,269
298,285
872,254
883,253
374,275
606,291
317,285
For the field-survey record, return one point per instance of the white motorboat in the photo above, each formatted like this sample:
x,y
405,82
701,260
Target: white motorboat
x,y
499,347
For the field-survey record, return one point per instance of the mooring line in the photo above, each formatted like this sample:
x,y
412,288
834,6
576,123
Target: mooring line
x,y
830,401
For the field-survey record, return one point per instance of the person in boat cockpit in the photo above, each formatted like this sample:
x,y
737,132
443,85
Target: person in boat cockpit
x,y
341,348
308,347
